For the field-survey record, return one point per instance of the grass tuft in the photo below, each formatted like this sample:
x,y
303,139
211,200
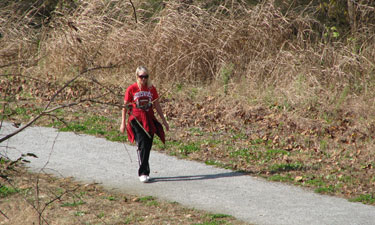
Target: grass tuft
x,y
6,191
365,198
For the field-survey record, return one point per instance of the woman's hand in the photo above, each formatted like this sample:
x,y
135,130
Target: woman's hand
x,y
122,128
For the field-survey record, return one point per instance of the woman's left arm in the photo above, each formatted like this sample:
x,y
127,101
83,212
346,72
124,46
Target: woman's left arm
x,y
160,112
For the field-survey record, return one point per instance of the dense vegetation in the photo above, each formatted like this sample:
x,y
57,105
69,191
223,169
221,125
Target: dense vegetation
x,y
280,89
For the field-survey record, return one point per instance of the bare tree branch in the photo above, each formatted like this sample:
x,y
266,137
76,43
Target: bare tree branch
x,y
41,218
22,128
58,197
100,84
46,110
107,103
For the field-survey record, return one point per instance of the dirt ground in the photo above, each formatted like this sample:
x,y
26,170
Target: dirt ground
x,y
44,199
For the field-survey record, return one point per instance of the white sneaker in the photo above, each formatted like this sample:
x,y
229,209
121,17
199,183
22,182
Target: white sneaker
x,y
143,178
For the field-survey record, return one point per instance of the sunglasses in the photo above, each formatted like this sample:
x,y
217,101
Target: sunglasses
x,y
143,77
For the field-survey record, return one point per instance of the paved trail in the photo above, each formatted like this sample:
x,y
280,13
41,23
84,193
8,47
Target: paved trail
x,y
196,185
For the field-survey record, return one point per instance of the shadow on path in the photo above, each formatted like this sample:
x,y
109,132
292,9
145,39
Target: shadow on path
x,y
196,177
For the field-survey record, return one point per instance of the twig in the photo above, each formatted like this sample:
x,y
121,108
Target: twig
x,y
37,207
107,103
58,197
20,75
49,156
4,214
162,94
59,119
98,83
32,205
135,13
131,161
75,78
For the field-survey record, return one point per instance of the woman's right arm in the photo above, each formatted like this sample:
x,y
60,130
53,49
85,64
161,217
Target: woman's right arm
x,y
123,119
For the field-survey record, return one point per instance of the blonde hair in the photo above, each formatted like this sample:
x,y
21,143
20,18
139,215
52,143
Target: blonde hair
x,y
143,69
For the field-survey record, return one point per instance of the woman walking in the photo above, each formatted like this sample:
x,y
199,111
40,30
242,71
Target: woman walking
x,y
140,100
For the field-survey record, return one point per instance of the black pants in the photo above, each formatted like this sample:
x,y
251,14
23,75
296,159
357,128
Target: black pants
x,y
144,144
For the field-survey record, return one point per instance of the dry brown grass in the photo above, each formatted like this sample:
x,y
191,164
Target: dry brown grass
x,y
185,43
279,78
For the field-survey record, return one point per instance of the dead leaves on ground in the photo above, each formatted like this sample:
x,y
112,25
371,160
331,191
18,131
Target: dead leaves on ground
x,y
341,147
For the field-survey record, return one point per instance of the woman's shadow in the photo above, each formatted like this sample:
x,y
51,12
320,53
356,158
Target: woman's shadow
x,y
196,177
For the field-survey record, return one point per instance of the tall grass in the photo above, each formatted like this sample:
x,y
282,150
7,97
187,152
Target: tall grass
x,y
288,54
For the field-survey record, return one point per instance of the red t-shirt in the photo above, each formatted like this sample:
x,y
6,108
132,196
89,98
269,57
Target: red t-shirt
x,y
134,95
146,117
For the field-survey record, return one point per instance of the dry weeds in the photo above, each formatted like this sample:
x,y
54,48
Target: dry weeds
x,y
69,202
273,93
